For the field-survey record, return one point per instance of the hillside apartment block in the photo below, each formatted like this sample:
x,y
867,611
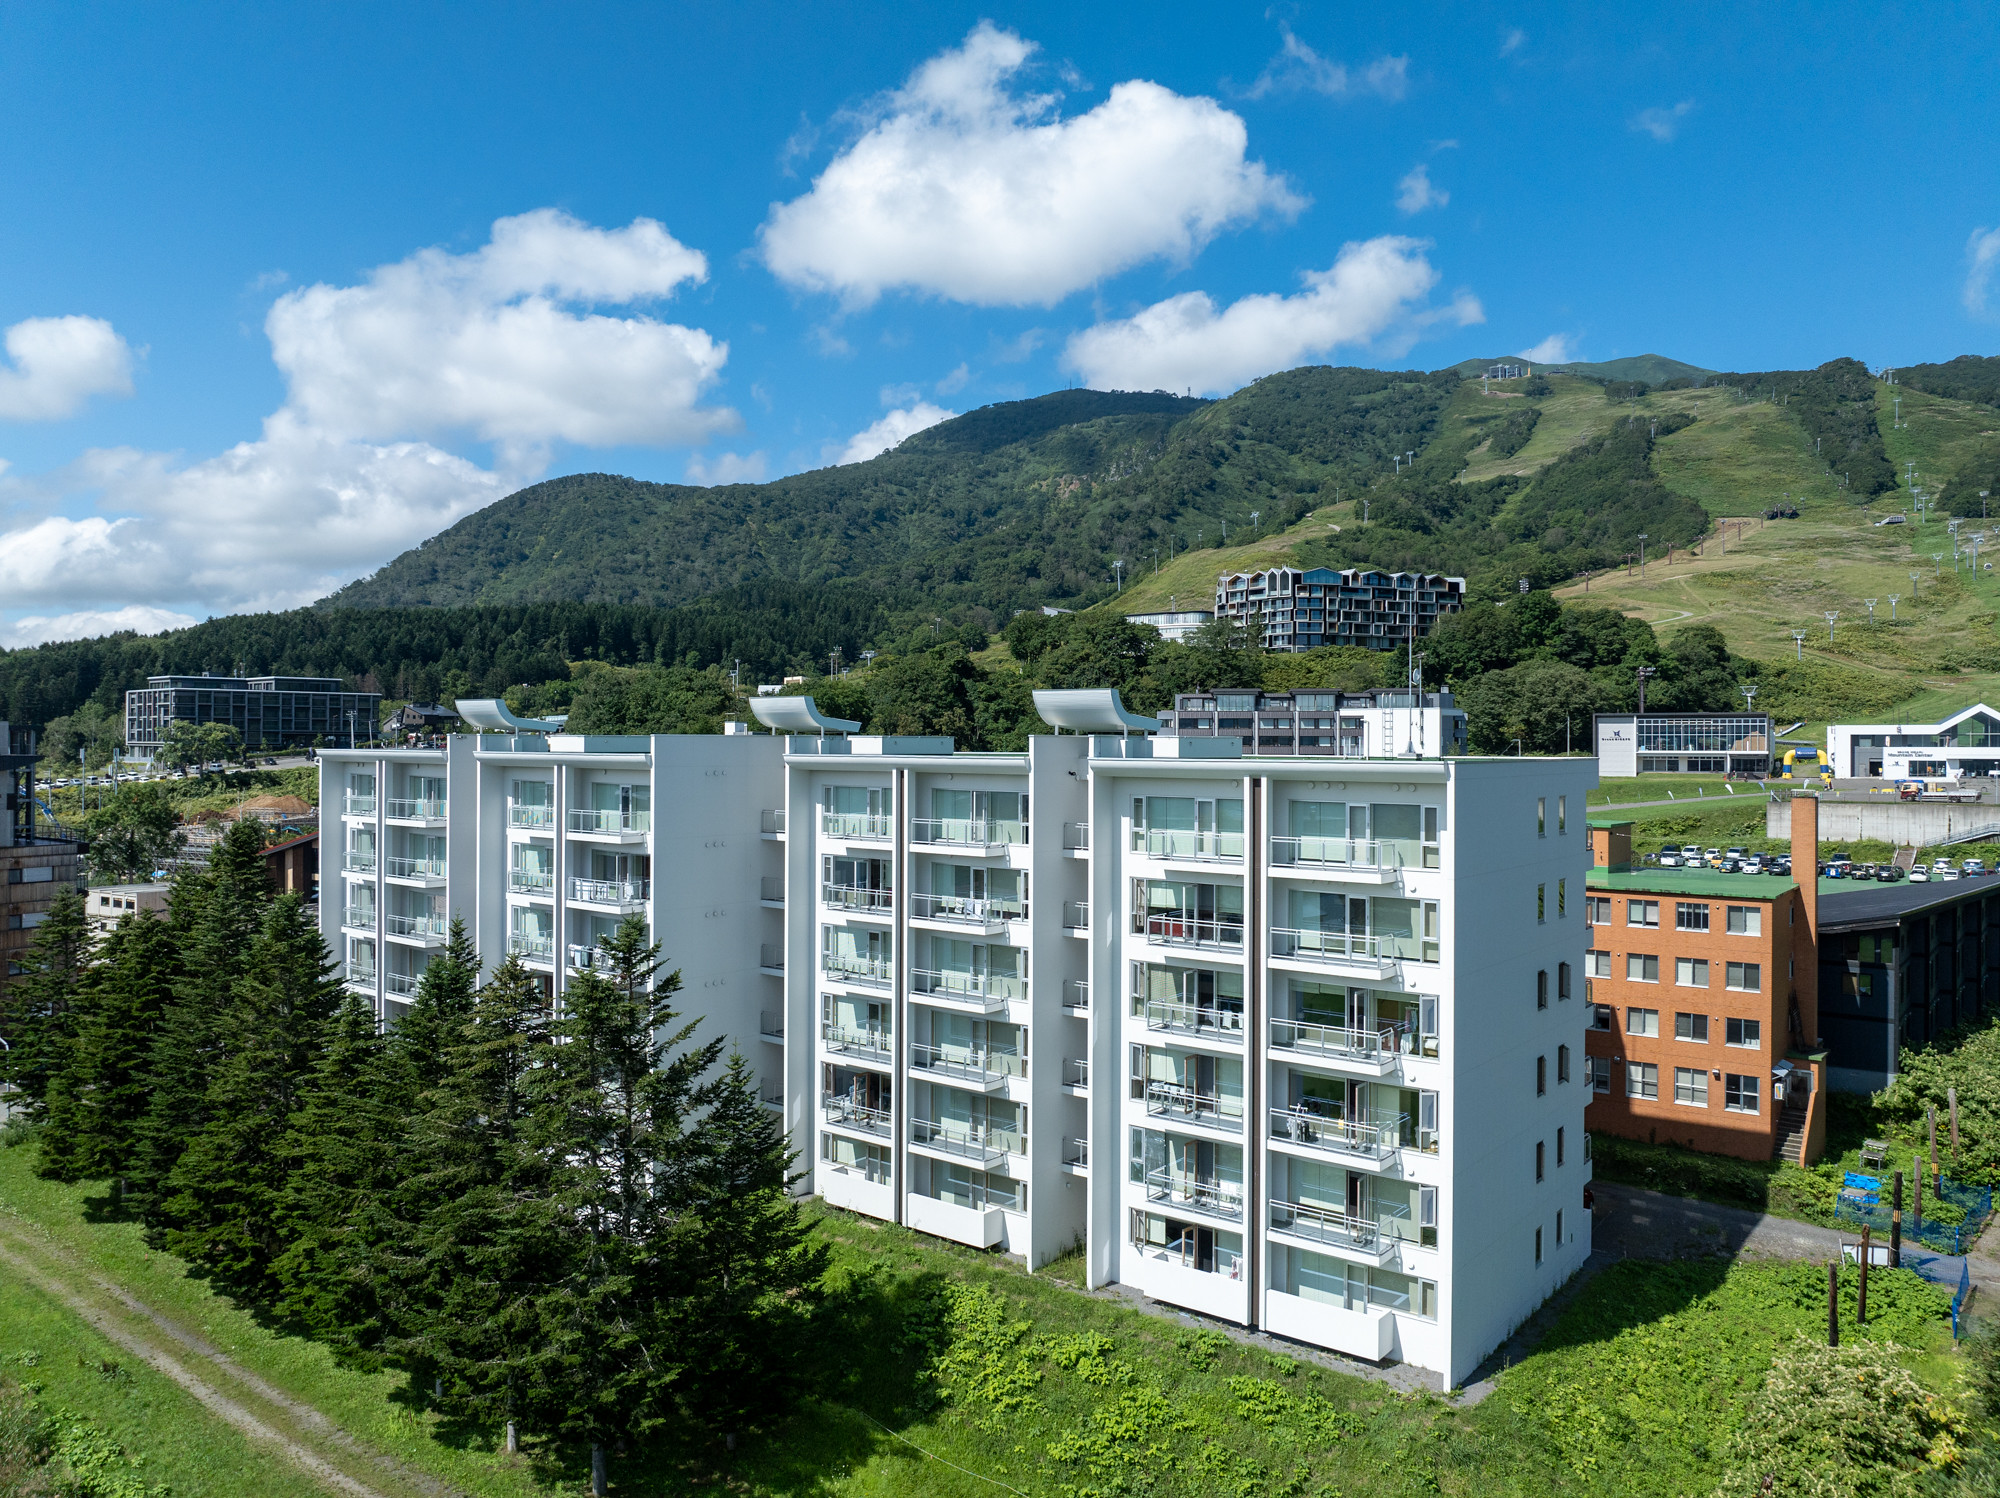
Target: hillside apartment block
x,y
1703,997
1303,609
1278,1038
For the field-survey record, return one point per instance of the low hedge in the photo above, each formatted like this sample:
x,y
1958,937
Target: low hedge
x,y
1755,1185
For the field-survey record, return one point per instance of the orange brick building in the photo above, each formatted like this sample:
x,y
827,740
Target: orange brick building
x,y
1703,995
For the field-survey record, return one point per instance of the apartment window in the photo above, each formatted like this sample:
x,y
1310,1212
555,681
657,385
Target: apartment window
x,y
1562,815
1597,910
1559,1151
1562,1075
1598,1069
1541,902
1639,968
1541,816
1540,1150
1739,1094
1642,1022
1559,1229
1745,977
1541,988
1642,912
1600,1016
1745,920
1743,1032
1691,972
1691,1086
1642,1079
1597,964
1562,898
1690,915
1691,1027
1541,1076
1427,1216
1562,980
1538,1245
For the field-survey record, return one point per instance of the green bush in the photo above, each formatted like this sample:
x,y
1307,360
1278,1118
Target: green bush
x,y
1803,1194
1970,1061
1683,1172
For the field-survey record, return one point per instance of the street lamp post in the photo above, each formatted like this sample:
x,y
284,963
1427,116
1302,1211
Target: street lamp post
x,y
1831,615
1937,564
1892,606
1871,609
1799,644
1642,556
1643,672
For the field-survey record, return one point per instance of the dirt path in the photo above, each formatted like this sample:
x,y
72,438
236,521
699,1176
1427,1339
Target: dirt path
x,y
220,1384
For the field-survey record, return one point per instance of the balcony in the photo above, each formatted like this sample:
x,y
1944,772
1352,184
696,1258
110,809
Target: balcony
x,y
1376,1051
424,930
1193,931
354,861
1177,1018
1188,847
771,1024
540,818
1334,1228
402,985
771,891
611,825
857,827
591,959
1076,1155
532,948
1076,837
358,917
988,1148
423,871
983,992
614,894
360,977
1367,955
1076,917
986,1070
536,882
1171,1101
358,806
1373,1139
1076,996
771,822
966,832
853,967
1218,1199
1076,1073
873,902
857,1117
417,811
874,1046
962,910
1340,857
771,959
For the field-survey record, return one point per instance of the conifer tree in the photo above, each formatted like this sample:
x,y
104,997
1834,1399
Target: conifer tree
x,y
440,1009
38,1004
96,1100
223,1194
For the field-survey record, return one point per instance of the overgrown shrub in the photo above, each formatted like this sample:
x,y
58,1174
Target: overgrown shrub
x,y
1970,1061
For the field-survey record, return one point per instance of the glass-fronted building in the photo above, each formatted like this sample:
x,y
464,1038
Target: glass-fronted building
x,y
1684,743
271,712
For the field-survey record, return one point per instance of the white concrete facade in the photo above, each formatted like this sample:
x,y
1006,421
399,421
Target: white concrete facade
x,y
1967,743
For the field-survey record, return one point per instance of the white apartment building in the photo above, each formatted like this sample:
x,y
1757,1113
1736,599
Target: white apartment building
x,y
1290,1040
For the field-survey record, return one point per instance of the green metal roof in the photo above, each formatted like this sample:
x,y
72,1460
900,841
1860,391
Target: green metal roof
x,y
1690,882
1608,822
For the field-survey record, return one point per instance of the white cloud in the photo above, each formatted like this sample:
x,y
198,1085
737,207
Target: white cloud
x,y
1373,293
39,629
955,381
1415,192
1014,350
1557,348
728,468
873,441
58,363
1982,253
1662,124
1298,67
965,189
1512,40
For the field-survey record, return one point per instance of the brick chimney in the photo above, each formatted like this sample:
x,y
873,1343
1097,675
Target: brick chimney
x,y
1611,845
1805,933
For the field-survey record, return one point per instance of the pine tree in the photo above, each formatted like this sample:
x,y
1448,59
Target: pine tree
x,y
440,1009
96,1101
223,1194
38,1004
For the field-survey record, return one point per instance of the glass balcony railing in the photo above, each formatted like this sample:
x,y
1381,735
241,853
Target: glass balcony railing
x,y
1076,915
358,861
610,822
534,948
855,967
966,1063
964,910
1330,1225
1335,853
1075,1072
1203,847
531,881
847,1112
360,806
402,985
772,821
589,958
951,983
1338,1041
1076,837
1076,995
1077,1152
1311,1127
360,917
414,809
863,1044
1192,931
969,1141
427,926
1212,1198
967,832
1170,1100
413,868
610,891
1324,946
535,817
857,826
854,897
1182,1018
359,976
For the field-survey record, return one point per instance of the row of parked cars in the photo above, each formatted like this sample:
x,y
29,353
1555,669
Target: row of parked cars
x,y
1727,860
1742,861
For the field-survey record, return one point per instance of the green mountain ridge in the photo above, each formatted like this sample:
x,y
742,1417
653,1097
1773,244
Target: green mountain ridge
x,y
1650,369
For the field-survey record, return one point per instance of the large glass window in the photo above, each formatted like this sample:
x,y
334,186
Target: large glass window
x,y
1642,1022
1691,972
1691,1086
1188,826
1642,1079
1739,1094
1743,1032
1641,968
1746,977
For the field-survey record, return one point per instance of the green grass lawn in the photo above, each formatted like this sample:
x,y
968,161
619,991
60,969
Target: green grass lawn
x,y
1640,788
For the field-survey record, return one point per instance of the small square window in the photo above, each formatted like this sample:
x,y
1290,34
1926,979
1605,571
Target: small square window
x,y
1597,964
1690,915
1642,1079
1691,972
1739,1094
1597,910
1745,977
1642,1022
1691,1027
1642,912
1743,1032
1640,968
1691,1086
1746,920
1600,1016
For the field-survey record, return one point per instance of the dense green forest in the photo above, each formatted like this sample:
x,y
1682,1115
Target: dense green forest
x,y
1969,377
1836,405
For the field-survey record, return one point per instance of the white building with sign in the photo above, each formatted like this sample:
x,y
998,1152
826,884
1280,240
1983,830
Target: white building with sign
x,y
1964,745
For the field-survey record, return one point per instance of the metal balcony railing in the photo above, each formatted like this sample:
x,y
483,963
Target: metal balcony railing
x,y
1077,1152
854,968
772,821
863,1044
1334,853
610,891
771,887
850,1113
1373,1139
360,917
950,983
534,948
1076,995
966,1063
1170,1100
413,868
1192,931
414,925
966,910
362,976
1328,1225
610,821
1076,837
1222,1199
771,957
360,806
967,832
1076,915
1334,1040
589,958
541,818
414,809
771,1022
531,881
402,985
969,1141
1324,946
357,861
854,897
1203,847
1075,1072
1194,1019
857,826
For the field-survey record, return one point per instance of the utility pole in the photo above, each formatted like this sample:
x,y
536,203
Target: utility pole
x,y
1643,672
1642,556
1118,575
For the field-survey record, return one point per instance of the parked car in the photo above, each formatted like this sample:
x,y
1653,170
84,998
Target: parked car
x,y
1739,854
1888,873
1973,866
1920,875
1690,853
1948,872
1669,859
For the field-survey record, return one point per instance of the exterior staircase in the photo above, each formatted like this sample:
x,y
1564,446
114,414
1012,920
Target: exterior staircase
x,y
1791,1143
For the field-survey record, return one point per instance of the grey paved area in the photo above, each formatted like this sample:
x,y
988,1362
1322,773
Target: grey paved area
x,y
1640,1224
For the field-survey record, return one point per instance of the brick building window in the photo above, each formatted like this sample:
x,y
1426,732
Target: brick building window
x,y
1691,1086
1739,1094
1642,1079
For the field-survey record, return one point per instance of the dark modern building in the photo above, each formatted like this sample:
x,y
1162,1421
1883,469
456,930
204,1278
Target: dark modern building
x,y
271,712
1302,610
1382,723
1899,965
38,858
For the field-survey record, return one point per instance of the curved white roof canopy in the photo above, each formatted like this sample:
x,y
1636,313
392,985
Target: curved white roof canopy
x,y
1091,710
798,715
491,715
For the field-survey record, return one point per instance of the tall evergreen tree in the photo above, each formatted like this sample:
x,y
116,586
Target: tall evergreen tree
x,y
38,1005
440,1009
223,1194
96,1101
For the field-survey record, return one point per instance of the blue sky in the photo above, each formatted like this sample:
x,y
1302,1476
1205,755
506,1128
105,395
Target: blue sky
x,y
287,289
